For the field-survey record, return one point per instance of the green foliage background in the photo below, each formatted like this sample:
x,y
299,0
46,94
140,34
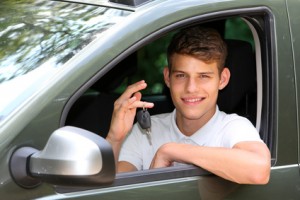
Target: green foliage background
x,y
152,57
33,32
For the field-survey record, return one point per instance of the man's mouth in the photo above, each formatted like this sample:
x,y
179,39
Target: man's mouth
x,y
192,100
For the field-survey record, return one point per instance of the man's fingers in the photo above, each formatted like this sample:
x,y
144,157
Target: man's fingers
x,y
141,104
133,103
132,89
138,96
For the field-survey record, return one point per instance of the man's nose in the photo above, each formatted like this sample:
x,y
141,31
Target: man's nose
x,y
192,85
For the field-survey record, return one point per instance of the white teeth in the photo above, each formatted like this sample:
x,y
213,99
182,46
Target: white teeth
x,y
193,100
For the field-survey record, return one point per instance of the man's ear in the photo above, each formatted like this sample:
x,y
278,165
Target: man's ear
x,y
167,76
224,79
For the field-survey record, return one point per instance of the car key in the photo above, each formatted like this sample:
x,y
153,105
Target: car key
x,y
144,120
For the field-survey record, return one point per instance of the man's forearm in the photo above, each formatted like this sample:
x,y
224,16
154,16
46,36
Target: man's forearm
x,y
236,164
116,146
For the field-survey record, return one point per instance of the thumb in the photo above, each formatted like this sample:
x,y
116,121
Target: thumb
x,y
138,96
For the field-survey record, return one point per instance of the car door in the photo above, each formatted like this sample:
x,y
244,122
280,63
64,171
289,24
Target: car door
x,y
275,103
272,55
294,28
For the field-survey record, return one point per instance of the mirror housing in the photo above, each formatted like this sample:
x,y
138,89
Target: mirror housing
x,y
71,157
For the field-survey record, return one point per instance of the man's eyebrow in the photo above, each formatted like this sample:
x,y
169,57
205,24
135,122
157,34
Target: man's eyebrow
x,y
177,71
181,71
206,72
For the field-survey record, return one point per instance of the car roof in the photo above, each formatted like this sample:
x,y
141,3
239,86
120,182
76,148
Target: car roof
x,y
120,4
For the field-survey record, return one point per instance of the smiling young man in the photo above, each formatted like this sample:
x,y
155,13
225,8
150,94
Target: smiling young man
x,y
196,132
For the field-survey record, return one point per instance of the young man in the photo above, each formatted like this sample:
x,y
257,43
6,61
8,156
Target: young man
x,y
196,132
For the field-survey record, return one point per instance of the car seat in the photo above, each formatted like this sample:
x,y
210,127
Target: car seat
x,y
239,96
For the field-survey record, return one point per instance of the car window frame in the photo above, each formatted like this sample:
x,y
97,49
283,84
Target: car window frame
x,y
262,22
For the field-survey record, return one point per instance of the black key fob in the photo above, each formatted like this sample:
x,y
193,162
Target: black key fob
x,y
144,119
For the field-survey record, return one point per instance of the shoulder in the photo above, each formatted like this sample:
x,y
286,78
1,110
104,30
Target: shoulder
x,y
233,119
237,129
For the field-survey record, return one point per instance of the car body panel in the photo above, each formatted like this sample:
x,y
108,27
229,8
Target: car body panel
x,y
32,124
202,187
295,28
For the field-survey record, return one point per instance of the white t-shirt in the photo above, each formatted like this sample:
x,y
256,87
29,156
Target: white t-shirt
x,y
222,130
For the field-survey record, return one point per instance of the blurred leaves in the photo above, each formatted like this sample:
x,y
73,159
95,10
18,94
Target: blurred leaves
x,y
236,28
152,57
35,31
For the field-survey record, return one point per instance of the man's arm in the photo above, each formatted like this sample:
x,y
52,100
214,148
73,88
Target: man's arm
x,y
246,162
124,166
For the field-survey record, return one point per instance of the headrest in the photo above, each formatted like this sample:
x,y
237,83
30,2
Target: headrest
x,y
241,63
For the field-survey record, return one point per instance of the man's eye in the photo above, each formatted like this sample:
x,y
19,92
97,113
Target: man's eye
x,y
179,75
203,76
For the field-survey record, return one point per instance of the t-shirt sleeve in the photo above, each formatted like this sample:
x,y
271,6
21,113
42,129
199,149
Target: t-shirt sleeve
x,y
130,148
239,130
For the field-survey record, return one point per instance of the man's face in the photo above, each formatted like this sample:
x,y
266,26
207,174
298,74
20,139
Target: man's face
x,y
194,87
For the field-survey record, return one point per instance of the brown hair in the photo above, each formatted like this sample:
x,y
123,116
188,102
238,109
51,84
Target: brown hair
x,y
202,43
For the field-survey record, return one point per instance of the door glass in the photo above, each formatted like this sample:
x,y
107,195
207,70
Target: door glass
x,y
37,37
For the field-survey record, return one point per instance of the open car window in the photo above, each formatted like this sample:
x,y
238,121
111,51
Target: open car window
x,y
93,110
246,94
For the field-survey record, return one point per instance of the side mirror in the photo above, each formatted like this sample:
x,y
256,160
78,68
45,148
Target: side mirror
x,y
71,157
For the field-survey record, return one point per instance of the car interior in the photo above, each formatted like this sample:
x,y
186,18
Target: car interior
x,y
93,110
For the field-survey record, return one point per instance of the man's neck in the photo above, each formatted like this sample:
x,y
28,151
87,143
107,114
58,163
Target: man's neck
x,y
189,126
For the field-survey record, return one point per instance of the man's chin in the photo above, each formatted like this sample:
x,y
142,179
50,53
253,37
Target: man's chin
x,y
192,116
